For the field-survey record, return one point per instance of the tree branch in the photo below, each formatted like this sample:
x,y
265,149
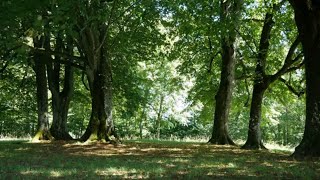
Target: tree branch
x,y
66,62
292,50
296,67
289,61
213,55
253,20
84,83
291,88
246,104
246,41
245,75
211,60
107,27
55,53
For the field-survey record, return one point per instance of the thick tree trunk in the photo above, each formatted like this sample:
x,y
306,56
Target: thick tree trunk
x,y
43,132
59,130
223,98
101,122
60,108
254,133
262,81
60,100
93,41
229,18
307,17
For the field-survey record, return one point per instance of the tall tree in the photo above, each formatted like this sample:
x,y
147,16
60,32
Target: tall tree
x,y
307,18
262,80
16,20
43,132
92,43
104,32
229,17
60,98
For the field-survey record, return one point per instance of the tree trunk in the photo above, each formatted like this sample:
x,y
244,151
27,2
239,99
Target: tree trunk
x,y
159,117
43,132
254,132
101,122
262,81
229,11
93,42
60,108
307,17
1,127
60,100
141,121
223,98
140,128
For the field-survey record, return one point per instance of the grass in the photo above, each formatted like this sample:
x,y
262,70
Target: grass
x,y
147,160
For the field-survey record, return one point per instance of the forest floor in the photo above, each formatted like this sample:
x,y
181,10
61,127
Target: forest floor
x,y
147,160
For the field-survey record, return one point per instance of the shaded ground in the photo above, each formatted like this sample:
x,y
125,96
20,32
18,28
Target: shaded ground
x,y
152,160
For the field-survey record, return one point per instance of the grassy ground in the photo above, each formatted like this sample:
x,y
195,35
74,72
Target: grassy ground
x,y
147,159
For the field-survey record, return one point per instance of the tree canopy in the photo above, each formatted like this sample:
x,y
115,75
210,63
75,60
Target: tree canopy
x,y
226,71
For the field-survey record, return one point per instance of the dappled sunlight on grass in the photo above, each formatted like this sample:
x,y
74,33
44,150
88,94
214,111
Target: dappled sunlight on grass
x,y
278,148
30,172
131,160
55,174
22,149
116,172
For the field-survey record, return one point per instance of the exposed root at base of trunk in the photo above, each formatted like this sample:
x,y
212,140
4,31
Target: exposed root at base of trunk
x,y
61,136
42,135
221,141
253,146
306,151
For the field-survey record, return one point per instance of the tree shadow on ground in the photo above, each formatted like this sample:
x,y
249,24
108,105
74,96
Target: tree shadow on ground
x,y
135,160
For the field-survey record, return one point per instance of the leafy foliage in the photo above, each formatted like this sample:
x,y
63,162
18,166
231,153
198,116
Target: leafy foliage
x,y
166,61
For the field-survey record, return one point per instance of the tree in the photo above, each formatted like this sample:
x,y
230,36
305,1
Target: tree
x,y
307,19
262,81
99,37
229,17
15,18
60,99
43,132
92,43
